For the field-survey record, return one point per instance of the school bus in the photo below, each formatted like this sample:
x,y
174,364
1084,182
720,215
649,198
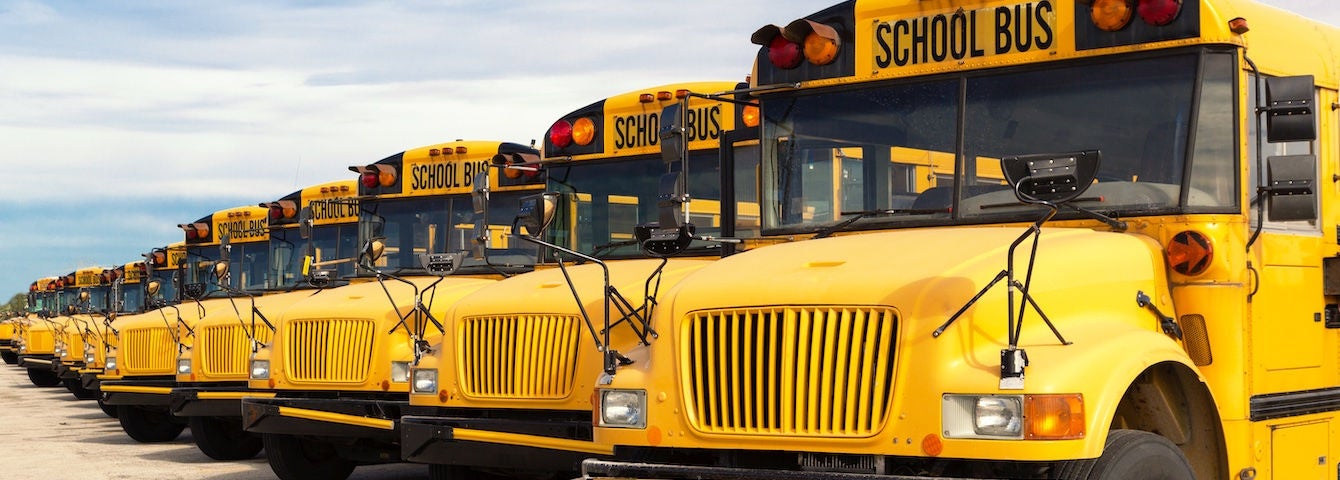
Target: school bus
x,y
212,374
34,303
1150,293
126,297
37,337
83,326
149,285
225,252
338,365
512,377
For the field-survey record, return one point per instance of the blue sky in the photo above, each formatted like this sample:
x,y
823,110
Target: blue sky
x,y
119,120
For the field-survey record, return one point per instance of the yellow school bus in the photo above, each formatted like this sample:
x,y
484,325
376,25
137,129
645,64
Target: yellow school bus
x,y
36,338
148,286
212,374
126,297
1150,294
225,252
83,326
513,376
34,303
336,365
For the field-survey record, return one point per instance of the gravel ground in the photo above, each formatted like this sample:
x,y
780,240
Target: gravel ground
x,y
46,434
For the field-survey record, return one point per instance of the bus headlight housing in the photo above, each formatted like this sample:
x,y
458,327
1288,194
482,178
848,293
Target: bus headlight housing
x,y
399,372
1017,417
623,408
260,369
90,356
111,363
425,380
183,366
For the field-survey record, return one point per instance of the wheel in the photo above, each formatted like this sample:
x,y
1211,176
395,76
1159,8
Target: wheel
x,y
110,410
10,357
148,426
448,472
75,386
222,438
1131,454
295,458
43,378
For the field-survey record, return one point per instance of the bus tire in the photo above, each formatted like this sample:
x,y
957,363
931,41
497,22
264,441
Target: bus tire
x,y
222,438
110,410
43,378
448,472
296,458
148,426
1131,454
77,388
10,357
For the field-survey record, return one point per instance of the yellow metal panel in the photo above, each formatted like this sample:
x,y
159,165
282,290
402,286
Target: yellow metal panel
x,y
1299,452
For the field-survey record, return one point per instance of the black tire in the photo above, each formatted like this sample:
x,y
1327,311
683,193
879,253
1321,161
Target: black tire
x,y
110,410
148,426
222,438
10,357
43,378
448,472
76,387
1131,454
296,458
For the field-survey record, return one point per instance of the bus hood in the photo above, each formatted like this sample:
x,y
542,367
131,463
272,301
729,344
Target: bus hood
x,y
927,275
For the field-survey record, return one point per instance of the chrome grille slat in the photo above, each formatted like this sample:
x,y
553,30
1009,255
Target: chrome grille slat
x,y
328,350
807,371
519,356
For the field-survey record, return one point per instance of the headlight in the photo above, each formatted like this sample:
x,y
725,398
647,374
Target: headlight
x,y
111,363
183,366
90,358
260,369
399,372
425,380
1032,417
623,408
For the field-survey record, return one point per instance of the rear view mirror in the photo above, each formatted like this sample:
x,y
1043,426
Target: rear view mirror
x,y
441,264
305,223
673,144
535,214
1291,191
1289,109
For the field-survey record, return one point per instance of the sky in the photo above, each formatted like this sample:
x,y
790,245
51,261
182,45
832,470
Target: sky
x,y
121,119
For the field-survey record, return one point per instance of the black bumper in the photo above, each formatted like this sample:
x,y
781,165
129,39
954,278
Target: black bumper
x,y
67,372
596,468
38,362
433,439
90,380
147,391
340,417
186,401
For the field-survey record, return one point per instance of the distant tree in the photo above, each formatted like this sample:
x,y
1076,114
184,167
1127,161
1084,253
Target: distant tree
x,y
16,303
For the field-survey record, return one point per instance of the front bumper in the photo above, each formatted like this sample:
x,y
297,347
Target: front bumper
x,y
372,420
40,362
553,444
596,468
143,391
67,371
222,399
89,379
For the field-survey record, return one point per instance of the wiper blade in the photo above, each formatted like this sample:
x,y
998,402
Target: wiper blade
x,y
858,215
607,247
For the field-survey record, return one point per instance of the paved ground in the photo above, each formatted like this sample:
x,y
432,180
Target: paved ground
x,y
46,434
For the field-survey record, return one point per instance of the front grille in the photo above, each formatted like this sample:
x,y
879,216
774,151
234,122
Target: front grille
x,y
519,356
328,350
224,350
40,341
148,351
799,371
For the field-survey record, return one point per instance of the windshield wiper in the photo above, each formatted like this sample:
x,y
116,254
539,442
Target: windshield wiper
x,y
840,226
608,247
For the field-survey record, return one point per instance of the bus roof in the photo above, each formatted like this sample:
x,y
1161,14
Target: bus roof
x,y
241,225
628,124
882,39
442,169
284,212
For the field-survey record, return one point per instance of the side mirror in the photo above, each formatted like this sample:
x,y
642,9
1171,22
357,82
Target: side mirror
x,y
1291,191
673,143
1051,178
221,271
305,223
1290,116
535,214
373,250
153,287
480,198
83,295
671,234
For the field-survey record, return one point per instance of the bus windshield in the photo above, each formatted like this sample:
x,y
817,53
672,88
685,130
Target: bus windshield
x,y
929,152
334,248
413,226
604,200
97,299
167,284
132,297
